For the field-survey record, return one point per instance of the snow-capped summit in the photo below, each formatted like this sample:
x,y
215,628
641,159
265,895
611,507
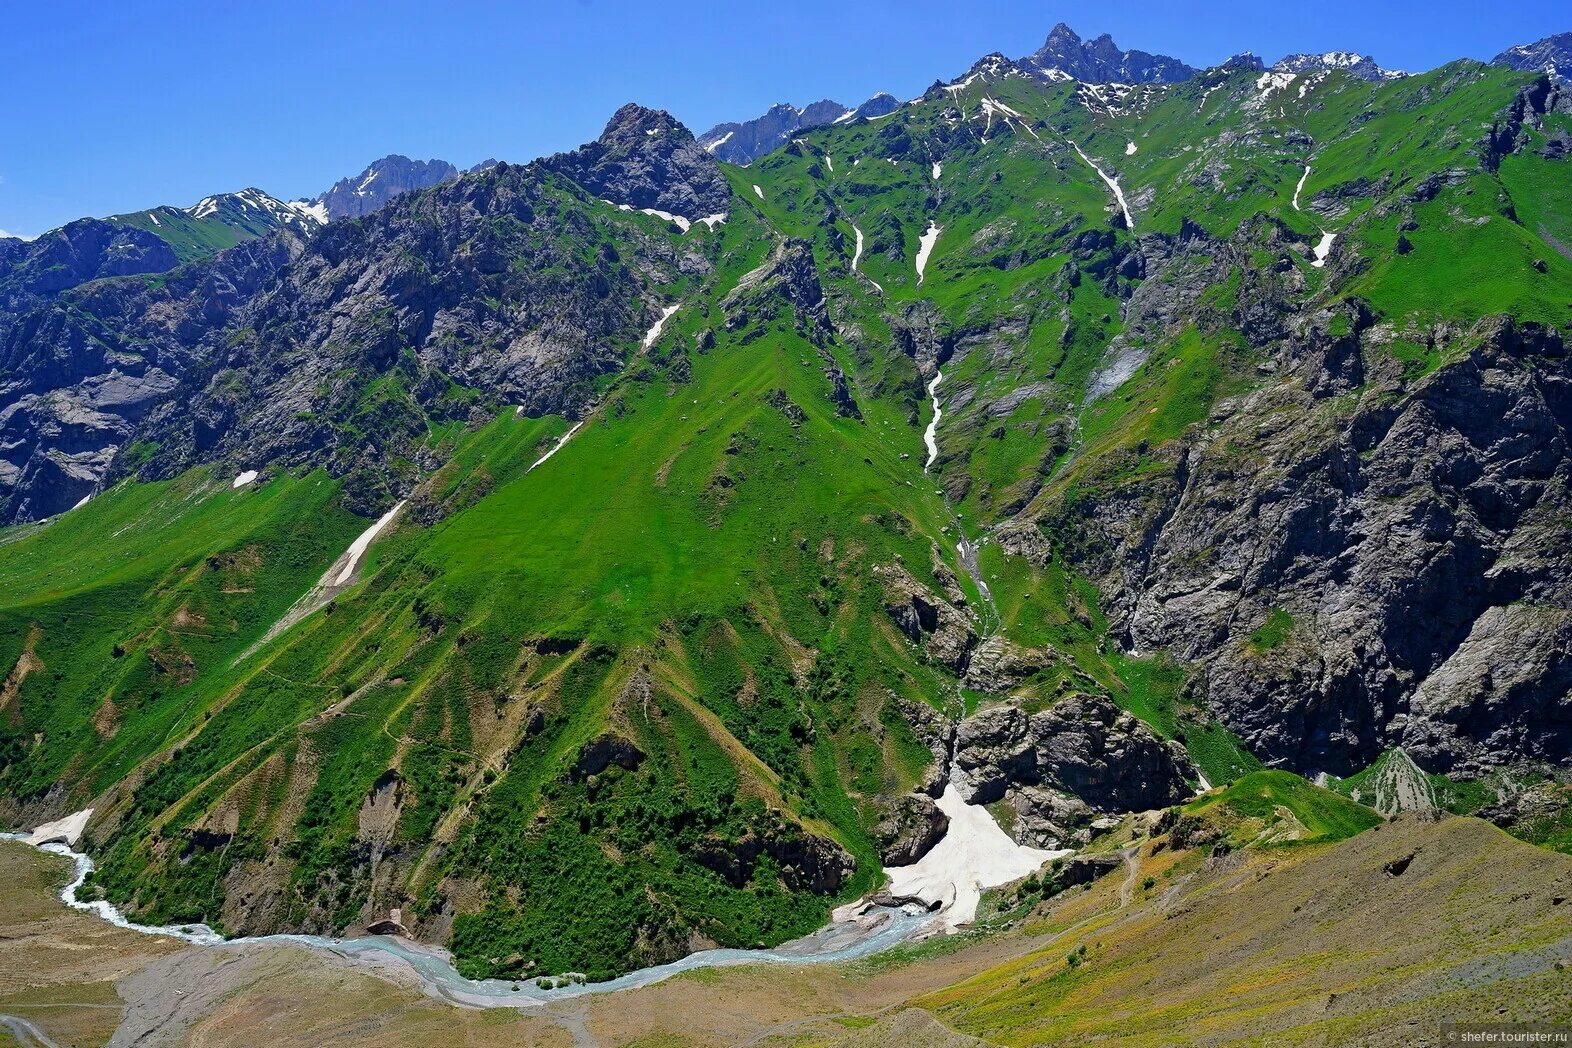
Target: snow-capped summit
x,y
1352,62
251,207
1552,55
986,69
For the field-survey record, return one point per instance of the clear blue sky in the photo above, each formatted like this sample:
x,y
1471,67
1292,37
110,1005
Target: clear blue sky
x,y
113,106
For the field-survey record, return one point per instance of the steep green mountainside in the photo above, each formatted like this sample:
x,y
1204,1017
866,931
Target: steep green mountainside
x,y
674,615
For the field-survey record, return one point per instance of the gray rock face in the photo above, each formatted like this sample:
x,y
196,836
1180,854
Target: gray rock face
x,y
1551,55
1063,766
1381,570
1101,61
911,825
999,665
936,625
647,159
790,276
381,181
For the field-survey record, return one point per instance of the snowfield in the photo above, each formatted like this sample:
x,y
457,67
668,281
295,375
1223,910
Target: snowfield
x,y
975,854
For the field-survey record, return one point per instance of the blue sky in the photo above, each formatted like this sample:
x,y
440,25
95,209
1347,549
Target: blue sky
x,y
110,107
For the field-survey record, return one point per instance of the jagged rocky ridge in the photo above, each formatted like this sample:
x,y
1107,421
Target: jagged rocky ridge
x,y
745,142
380,182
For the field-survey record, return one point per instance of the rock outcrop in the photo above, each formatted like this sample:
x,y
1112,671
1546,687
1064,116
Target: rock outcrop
x,y
1356,573
911,825
645,158
943,630
1064,766
807,861
1100,61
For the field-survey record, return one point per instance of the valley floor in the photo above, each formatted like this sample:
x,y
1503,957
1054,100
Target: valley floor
x,y
1368,941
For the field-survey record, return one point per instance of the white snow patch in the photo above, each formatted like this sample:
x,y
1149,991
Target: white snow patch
x,y
850,114
243,478
711,220
757,191
925,247
560,441
938,169
1113,185
930,436
1300,187
1323,249
154,217
830,161
1271,80
317,213
1129,148
975,854
722,140
857,257
654,332
357,549
62,831
84,500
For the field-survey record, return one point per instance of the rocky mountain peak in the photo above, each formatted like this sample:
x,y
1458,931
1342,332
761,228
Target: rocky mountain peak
x,y
745,142
381,181
632,121
1245,60
1101,61
1552,55
647,158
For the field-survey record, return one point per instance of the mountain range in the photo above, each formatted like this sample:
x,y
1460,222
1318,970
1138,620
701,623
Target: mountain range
x,y
581,563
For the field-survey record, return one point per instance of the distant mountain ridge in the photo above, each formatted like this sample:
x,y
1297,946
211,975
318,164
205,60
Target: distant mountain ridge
x,y
745,141
221,221
1351,62
1551,55
381,181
